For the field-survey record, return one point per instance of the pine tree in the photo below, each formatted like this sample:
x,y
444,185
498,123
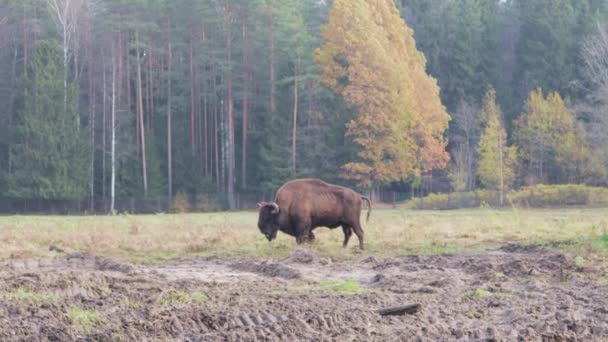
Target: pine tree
x,y
497,161
370,58
549,45
49,154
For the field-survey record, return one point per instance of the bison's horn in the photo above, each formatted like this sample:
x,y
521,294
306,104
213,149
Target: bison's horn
x,y
275,208
261,204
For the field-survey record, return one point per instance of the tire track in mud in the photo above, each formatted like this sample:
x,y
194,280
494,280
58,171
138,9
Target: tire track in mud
x,y
262,325
72,261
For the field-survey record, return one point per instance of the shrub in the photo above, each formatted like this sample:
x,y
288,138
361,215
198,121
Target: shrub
x,y
180,203
543,196
538,196
457,200
205,204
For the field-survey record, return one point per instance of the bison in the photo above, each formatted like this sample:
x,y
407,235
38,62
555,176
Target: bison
x,y
302,205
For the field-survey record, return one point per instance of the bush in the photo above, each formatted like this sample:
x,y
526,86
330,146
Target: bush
x,y
542,196
457,200
180,203
539,196
206,205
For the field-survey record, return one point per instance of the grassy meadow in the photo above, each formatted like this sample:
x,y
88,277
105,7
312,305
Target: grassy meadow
x,y
390,232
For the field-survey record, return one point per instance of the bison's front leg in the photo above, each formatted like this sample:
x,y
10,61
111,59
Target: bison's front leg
x,y
348,232
300,239
311,237
305,238
304,234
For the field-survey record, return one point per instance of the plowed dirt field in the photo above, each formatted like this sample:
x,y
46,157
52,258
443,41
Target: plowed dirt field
x,y
513,293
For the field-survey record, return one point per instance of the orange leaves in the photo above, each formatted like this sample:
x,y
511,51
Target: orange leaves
x,y
370,58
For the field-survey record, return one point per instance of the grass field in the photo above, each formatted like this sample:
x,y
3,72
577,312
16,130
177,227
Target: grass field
x,y
154,238
273,291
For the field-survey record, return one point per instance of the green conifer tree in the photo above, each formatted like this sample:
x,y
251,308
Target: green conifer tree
x,y
50,154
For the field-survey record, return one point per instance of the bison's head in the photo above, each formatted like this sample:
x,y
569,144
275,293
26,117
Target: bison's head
x,y
267,221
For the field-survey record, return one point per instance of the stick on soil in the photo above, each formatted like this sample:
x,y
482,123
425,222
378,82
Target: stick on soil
x,y
400,310
52,248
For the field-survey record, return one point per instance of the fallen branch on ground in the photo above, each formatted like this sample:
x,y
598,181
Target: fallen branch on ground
x,y
54,248
400,310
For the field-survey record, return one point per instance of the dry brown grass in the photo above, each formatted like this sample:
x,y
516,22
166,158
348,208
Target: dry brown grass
x,y
150,238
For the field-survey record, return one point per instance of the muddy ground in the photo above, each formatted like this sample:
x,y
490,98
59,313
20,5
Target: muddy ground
x,y
514,293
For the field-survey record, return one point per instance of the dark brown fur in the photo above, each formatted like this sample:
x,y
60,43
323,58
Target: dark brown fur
x,y
305,204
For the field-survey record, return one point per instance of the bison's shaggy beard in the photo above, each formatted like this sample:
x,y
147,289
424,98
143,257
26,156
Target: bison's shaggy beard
x,y
269,230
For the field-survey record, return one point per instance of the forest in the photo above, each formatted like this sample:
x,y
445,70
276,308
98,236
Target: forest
x,y
104,101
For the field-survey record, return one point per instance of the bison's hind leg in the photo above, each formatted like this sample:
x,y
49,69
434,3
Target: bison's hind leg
x,y
360,234
348,232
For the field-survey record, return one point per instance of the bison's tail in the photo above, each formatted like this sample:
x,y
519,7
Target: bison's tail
x,y
369,205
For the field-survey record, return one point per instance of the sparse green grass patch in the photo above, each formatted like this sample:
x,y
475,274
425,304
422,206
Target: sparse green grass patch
x,y
23,295
85,321
603,241
483,293
346,287
176,297
339,287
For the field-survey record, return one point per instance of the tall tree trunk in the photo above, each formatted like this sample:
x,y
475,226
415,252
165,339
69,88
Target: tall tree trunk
x,y
120,67
113,135
11,104
541,158
245,104
295,115
24,42
149,91
103,133
199,120
128,93
273,90
140,115
217,128
92,100
310,103
255,94
65,70
192,107
230,150
205,127
501,163
169,117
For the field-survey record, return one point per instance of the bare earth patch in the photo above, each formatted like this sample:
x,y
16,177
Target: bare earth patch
x,y
516,292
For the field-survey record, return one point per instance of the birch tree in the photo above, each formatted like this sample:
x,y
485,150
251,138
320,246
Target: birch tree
x,y
497,161
113,135
66,15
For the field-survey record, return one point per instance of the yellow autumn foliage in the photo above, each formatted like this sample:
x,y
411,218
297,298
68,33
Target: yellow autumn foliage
x,y
549,139
369,57
497,161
